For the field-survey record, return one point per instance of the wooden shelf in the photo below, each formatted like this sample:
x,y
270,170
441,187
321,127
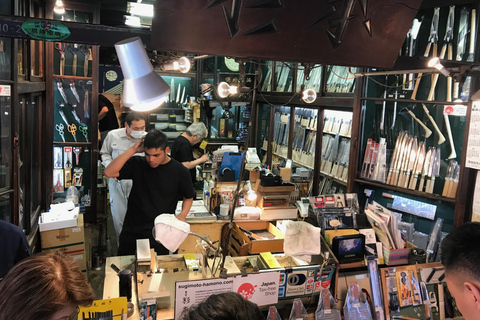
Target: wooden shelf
x,y
71,77
341,135
339,181
406,191
72,143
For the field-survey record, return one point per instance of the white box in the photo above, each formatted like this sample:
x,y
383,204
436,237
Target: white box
x,y
53,221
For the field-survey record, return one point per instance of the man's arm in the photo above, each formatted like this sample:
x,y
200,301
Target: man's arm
x,y
113,169
186,205
106,151
102,113
192,164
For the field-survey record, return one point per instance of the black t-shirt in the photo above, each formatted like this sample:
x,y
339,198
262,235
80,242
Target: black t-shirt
x,y
13,246
109,122
182,152
154,191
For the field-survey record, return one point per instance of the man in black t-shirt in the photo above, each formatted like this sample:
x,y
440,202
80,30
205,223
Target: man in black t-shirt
x,y
182,147
107,118
158,181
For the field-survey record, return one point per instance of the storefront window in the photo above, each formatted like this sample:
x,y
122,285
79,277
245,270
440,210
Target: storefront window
x,y
5,143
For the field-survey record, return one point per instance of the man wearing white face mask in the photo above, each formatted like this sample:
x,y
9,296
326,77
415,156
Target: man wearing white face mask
x,y
116,142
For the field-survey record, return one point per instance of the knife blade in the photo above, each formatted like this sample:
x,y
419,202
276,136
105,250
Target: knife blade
x,y
449,177
448,39
404,163
462,34
394,156
418,166
471,52
399,159
435,167
411,162
426,165
426,300
456,177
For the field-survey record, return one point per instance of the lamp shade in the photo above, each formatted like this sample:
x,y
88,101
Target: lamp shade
x,y
143,88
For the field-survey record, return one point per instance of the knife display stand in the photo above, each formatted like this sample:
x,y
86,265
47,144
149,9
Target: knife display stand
x,y
72,91
417,291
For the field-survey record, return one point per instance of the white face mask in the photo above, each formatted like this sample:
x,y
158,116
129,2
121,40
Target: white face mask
x,y
137,134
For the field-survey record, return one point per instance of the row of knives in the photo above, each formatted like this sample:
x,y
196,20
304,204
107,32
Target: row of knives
x,y
335,156
412,166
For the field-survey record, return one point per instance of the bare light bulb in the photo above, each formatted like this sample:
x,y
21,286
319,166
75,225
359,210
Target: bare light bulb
x,y
224,89
309,96
183,65
435,63
59,8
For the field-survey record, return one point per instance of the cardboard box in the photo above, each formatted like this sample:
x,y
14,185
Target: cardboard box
x,y
267,245
76,251
71,221
63,237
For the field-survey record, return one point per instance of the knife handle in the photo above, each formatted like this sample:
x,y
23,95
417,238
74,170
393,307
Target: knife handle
x,y
417,84
420,185
454,189
413,182
445,188
428,185
394,178
428,312
432,184
401,178
407,178
389,177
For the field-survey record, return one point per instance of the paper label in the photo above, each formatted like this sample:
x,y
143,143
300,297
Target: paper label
x,y
4,91
455,110
473,146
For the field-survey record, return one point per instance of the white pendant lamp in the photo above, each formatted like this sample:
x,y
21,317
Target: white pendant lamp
x,y
143,88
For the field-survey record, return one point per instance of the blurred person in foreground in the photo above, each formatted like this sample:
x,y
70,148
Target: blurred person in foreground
x,y
46,286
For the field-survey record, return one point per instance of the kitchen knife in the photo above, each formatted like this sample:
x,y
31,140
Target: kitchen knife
x,y
406,158
395,155
426,165
436,169
411,163
426,300
418,166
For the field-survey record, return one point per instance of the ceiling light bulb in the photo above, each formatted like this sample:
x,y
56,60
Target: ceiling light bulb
x,y
184,65
59,9
309,96
435,63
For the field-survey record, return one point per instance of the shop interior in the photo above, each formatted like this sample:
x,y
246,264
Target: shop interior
x,y
336,166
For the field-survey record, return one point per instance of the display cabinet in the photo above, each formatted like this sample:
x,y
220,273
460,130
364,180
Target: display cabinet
x,y
72,90
411,136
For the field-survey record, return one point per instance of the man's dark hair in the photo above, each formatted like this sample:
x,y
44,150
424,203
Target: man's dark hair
x,y
133,116
155,139
461,249
224,306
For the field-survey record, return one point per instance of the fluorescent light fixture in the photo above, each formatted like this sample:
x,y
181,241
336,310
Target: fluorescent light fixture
x,y
143,88
59,8
140,9
435,63
183,65
133,21
309,96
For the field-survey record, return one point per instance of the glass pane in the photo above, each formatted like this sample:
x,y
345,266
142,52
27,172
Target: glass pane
x,y
5,143
280,133
304,137
339,80
224,122
314,79
267,69
6,208
284,76
74,15
33,115
5,58
36,58
181,91
335,152
262,136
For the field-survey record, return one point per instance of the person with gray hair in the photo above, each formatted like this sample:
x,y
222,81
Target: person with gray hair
x,y
182,148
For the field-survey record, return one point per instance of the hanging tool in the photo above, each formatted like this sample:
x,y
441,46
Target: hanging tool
x,y
73,48
60,46
473,28
461,44
441,137
395,107
84,130
382,120
72,128
405,161
86,57
74,90
86,101
443,51
60,89
449,177
428,132
59,127
453,154
411,51
448,41
418,166
77,151
432,44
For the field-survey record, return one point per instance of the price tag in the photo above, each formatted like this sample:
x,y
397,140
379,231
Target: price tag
x,y
455,110
203,145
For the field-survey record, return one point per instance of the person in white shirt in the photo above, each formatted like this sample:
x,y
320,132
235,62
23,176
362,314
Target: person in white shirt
x,y
116,142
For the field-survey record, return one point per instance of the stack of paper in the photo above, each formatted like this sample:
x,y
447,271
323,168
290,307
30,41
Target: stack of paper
x,y
385,224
